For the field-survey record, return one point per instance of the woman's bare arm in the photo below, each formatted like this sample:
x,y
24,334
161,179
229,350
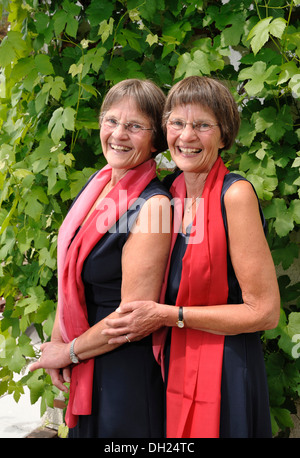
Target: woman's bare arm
x,y
255,272
144,260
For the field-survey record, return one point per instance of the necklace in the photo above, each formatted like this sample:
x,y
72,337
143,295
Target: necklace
x,y
188,209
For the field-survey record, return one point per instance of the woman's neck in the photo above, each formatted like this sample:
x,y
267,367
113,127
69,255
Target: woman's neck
x,y
194,184
116,175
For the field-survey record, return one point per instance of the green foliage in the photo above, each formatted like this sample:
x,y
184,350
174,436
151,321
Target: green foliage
x,y
57,61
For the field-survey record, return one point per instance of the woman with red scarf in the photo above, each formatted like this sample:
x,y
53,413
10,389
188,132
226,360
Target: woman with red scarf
x,y
113,246
220,277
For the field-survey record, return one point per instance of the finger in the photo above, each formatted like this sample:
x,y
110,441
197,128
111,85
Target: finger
x,y
59,384
122,339
116,322
66,373
127,307
115,332
34,366
58,381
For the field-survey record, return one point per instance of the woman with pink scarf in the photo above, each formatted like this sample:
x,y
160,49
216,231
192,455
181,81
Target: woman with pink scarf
x,y
113,247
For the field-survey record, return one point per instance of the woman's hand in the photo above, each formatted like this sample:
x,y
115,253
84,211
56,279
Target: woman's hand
x,y
59,377
55,355
144,318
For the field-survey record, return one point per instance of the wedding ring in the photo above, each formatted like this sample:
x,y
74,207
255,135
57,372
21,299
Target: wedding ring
x,y
127,338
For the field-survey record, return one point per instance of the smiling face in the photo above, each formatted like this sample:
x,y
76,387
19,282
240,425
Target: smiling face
x,y
122,149
194,151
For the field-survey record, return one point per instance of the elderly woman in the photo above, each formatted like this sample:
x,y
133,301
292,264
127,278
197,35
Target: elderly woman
x,y
113,247
221,278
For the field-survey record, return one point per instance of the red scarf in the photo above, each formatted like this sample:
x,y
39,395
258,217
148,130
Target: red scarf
x,y
194,379
71,257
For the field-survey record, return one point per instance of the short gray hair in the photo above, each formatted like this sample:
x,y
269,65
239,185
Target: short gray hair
x,y
149,99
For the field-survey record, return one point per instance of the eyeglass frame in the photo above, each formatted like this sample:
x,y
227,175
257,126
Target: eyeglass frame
x,y
125,124
194,125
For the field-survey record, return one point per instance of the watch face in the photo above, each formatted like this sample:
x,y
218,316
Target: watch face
x,y
180,324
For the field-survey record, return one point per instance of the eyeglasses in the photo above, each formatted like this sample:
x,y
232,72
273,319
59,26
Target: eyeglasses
x,y
197,126
132,127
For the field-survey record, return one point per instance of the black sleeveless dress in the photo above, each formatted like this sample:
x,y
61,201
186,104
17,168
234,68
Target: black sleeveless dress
x,y
128,391
244,391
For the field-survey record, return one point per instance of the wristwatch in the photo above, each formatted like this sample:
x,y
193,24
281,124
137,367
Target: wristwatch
x,y
73,357
180,322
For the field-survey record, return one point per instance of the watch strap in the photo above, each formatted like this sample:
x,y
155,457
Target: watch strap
x,y
73,357
180,322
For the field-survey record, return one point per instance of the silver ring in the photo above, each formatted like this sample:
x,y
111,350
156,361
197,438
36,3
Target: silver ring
x,y
127,338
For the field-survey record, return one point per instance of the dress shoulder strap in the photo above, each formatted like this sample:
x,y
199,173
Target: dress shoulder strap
x,y
229,179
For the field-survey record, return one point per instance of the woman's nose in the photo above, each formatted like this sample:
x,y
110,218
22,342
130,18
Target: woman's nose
x,y
120,131
188,132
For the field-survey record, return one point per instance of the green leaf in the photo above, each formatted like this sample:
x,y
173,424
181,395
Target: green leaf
x,y
36,385
151,39
147,8
231,36
46,258
295,210
61,119
22,68
90,89
41,22
43,64
18,391
68,118
285,255
60,19
288,70
75,69
277,27
48,324
131,38
13,356
196,64
32,200
274,123
259,35
296,162
106,29
186,66
283,216
246,133
25,346
66,18
31,303
97,59
258,74
12,46
294,84
119,68
54,86
63,431
283,416
99,11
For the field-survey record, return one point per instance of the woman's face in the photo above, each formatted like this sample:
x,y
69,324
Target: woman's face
x,y
124,149
191,150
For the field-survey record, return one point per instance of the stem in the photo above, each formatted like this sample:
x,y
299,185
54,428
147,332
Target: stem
x,y
74,133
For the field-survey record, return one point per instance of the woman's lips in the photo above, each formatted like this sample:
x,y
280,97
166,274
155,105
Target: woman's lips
x,y
188,152
120,148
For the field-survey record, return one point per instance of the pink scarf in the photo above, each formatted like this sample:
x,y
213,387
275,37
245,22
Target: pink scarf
x,y
71,256
194,379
